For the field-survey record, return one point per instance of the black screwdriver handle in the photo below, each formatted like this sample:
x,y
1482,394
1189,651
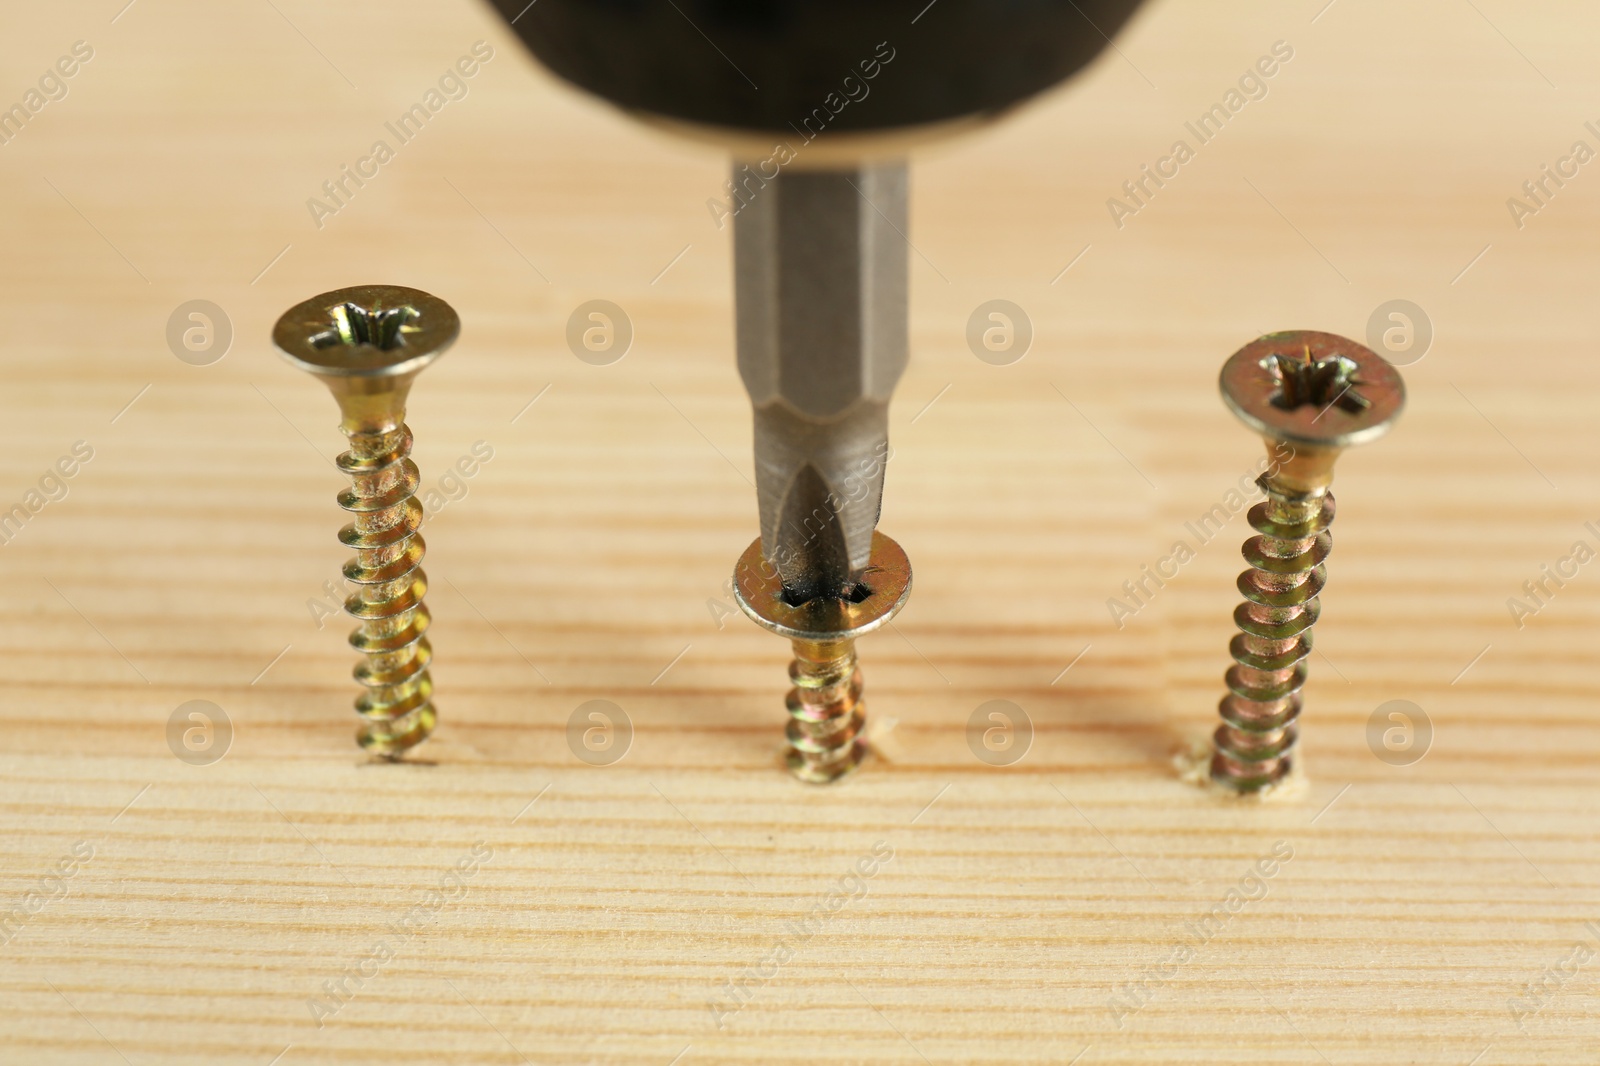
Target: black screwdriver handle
x,y
809,66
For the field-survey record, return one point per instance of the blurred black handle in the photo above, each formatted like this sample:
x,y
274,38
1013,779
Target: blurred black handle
x,y
847,65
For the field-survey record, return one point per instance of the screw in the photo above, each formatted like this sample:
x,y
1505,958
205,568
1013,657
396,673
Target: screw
x,y
1315,393
826,710
367,344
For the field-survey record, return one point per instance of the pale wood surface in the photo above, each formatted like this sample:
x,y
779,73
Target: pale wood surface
x,y
220,898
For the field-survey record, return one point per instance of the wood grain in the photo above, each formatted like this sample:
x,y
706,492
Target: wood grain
x,y
606,907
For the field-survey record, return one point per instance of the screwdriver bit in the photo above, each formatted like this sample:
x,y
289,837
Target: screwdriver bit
x,y
820,272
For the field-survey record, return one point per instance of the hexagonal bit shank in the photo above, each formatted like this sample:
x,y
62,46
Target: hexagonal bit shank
x,y
820,284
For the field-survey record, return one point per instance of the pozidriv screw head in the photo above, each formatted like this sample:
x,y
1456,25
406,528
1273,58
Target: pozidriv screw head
x,y
367,343
1314,389
373,331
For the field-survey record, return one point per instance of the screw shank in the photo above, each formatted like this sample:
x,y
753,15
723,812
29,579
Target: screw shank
x,y
397,704
1254,745
826,711
1308,471
369,405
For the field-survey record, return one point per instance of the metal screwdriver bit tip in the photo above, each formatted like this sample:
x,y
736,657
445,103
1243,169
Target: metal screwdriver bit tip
x,y
821,288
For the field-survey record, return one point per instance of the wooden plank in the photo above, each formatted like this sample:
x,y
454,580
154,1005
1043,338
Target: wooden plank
x,y
279,906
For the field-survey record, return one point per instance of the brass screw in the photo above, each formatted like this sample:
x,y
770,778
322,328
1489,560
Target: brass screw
x,y
1317,393
368,343
826,710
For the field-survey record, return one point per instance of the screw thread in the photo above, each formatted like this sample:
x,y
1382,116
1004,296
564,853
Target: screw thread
x,y
397,706
826,711
1254,745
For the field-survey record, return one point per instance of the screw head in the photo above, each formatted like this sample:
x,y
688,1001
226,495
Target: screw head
x,y
885,587
1311,388
367,343
367,331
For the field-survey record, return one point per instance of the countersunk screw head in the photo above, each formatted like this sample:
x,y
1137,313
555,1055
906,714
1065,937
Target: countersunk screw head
x,y
1319,390
884,589
367,343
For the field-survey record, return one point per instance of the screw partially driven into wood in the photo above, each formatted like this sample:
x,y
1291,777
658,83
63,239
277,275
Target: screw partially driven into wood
x,y
826,709
368,344
1317,393
820,261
